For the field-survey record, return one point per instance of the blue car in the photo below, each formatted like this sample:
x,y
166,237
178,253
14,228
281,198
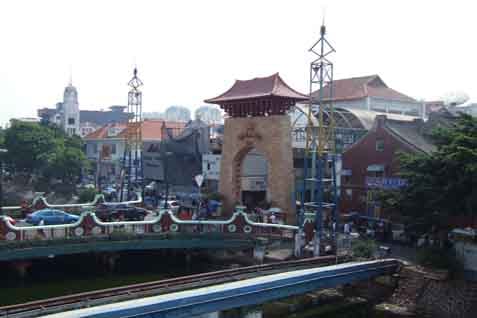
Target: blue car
x,y
50,217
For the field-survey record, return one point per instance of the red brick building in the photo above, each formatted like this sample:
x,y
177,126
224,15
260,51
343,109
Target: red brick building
x,y
371,164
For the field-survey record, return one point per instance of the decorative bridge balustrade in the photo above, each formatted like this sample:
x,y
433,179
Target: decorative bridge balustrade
x,y
89,226
40,203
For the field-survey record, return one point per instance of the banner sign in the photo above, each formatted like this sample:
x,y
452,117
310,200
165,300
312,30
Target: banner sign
x,y
385,183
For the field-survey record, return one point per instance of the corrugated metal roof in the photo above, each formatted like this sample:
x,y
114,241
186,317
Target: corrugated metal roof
x,y
367,117
412,134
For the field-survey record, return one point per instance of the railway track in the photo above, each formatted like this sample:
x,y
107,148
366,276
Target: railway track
x,y
116,294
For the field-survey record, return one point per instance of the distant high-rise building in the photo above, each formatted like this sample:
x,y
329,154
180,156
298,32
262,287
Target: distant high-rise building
x,y
177,113
153,115
210,115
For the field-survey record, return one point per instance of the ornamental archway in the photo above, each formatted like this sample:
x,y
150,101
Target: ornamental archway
x,y
258,119
271,137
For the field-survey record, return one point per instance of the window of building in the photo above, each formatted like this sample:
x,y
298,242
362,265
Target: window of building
x,y
375,171
376,174
113,149
95,148
380,145
71,121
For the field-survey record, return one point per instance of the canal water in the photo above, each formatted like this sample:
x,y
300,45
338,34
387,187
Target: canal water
x,y
67,275
59,276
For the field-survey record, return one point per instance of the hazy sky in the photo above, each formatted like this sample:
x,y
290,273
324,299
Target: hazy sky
x,y
187,51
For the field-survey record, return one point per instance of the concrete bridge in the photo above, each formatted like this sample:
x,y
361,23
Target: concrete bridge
x,y
166,231
89,234
245,292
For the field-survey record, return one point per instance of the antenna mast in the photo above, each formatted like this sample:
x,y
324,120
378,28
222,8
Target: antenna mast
x,y
132,159
320,140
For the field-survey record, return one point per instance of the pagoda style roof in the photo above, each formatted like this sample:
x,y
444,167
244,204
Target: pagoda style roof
x,y
258,88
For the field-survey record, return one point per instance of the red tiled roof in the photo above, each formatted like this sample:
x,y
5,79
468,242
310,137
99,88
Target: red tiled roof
x,y
361,87
102,132
151,130
256,88
155,129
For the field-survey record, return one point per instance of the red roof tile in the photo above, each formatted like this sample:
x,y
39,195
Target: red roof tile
x,y
151,130
256,88
361,87
155,129
102,132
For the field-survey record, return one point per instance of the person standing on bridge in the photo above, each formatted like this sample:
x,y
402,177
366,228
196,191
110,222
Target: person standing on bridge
x,y
273,218
346,229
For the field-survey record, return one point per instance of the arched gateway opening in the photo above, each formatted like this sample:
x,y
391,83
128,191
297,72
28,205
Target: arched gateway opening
x,y
253,179
258,120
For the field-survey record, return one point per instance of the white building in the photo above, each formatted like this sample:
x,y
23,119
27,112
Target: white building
x,y
74,121
69,115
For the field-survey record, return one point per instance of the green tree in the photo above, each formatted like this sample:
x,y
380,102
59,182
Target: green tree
x,y
2,137
68,160
28,146
45,150
443,183
66,163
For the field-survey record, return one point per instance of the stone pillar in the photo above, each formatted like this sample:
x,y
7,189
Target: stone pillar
x,y
271,136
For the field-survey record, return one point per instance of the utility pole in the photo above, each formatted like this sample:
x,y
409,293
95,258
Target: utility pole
x,y
2,151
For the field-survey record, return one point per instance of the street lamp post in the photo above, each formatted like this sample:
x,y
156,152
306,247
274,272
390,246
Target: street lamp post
x,y
2,151
166,178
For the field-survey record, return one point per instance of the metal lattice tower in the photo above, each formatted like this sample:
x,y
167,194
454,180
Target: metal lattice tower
x,y
319,173
132,160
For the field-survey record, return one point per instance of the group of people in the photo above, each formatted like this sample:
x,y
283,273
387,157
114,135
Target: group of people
x,y
265,216
199,210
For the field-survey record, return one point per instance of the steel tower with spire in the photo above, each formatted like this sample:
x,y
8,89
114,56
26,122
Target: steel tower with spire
x,y
319,173
132,170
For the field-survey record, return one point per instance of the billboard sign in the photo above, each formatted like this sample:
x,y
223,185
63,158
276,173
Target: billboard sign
x,y
152,162
254,184
211,166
